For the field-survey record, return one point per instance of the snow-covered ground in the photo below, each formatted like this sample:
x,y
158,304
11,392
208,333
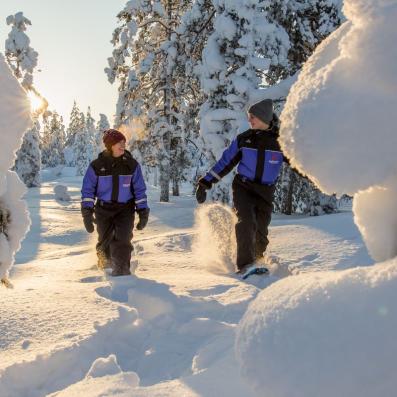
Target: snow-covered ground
x,y
68,330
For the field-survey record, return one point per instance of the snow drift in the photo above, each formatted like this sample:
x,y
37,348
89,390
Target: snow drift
x,y
14,120
331,334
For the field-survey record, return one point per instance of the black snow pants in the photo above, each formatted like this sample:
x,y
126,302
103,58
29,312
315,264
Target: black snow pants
x,y
114,226
253,204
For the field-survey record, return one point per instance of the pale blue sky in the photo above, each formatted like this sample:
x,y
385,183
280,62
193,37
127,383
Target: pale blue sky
x,y
72,38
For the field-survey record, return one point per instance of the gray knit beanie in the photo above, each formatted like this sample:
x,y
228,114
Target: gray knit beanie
x,y
263,110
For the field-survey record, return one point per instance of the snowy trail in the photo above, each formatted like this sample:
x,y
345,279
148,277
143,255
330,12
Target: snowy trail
x,y
173,325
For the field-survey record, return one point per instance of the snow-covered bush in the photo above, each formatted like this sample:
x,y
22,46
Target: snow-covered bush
x,y
61,193
333,334
14,120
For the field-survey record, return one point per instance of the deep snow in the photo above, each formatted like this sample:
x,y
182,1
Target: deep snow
x,y
68,330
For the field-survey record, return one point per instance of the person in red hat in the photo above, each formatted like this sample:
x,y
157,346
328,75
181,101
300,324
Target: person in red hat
x,y
113,190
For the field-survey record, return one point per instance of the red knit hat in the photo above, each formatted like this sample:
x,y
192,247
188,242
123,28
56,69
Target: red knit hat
x,y
111,137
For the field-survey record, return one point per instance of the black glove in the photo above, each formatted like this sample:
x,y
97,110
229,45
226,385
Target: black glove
x,y
201,194
88,218
143,218
202,186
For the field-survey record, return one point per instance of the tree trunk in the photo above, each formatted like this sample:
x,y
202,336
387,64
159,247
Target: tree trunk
x,y
164,181
164,162
155,177
289,197
175,186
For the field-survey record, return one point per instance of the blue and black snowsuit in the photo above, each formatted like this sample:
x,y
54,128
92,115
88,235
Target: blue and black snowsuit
x,y
259,158
115,188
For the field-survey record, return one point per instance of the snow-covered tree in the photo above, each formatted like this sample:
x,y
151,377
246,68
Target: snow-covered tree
x,y
75,124
15,119
91,131
188,42
22,60
20,56
83,147
307,23
102,125
28,157
53,140
143,60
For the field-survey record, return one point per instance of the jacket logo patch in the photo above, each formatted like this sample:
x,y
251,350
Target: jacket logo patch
x,y
103,169
274,159
126,181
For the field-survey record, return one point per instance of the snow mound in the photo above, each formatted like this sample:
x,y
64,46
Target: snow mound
x,y
338,125
61,193
215,242
104,366
330,334
17,226
120,385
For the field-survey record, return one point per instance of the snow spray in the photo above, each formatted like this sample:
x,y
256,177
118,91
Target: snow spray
x,y
214,245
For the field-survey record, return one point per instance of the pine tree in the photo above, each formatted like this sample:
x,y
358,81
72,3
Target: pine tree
x,y
28,161
20,56
83,147
74,125
102,125
22,60
188,41
143,61
54,140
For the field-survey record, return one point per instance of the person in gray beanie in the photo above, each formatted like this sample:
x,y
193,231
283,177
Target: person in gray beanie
x,y
258,157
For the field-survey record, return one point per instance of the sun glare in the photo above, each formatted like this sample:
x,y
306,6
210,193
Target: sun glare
x,y
36,102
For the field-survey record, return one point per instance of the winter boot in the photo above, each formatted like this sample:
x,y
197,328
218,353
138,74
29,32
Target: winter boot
x,y
120,271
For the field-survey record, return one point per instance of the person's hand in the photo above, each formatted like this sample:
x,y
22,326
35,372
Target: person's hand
x,y
201,194
88,218
143,218
202,186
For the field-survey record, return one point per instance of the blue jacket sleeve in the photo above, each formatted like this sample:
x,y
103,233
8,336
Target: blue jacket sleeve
x,y
139,189
230,157
88,190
